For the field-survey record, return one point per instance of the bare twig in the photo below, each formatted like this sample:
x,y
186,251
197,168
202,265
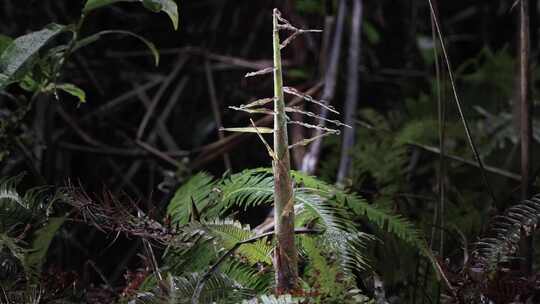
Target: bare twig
x,y
108,107
164,116
177,67
215,109
227,60
120,152
458,102
490,169
74,126
153,260
161,155
159,127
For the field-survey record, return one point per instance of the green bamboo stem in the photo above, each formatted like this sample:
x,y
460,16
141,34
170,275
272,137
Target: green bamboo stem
x,y
285,255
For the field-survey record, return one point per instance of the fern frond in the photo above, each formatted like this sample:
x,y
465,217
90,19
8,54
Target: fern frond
x,y
505,233
320,271
14,207
179,290
316,203
282,299
197,189
382,218
261,281
194,257
230,232
12,195
33,294
340,234
206,239
332,217
10,249
395,224
248,188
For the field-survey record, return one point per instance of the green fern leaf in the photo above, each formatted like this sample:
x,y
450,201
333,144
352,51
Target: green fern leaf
x,y
506,232
219,288
340,233
384,219
231,232
248,188
247,276
197,189
323,274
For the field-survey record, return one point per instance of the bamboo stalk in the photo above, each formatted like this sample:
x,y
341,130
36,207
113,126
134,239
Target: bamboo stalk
x,y
285,255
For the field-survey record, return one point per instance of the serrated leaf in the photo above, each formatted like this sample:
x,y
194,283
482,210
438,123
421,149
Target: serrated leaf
x,y
95,37
73,90
249,130
22,49
168,6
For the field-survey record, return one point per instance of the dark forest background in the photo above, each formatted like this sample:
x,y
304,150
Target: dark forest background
x,y
395,160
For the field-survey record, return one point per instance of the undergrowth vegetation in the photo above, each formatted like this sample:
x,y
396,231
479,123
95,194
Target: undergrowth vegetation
x,y
355,182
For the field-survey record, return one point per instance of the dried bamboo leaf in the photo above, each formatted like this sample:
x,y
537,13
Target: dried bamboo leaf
x,y
289,40
318,127
307,97
261,72
249,130
311,114
253,111
287,26
307,141
258,102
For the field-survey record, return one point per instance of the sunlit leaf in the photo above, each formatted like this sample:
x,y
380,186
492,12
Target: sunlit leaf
x,y
72,90
22,49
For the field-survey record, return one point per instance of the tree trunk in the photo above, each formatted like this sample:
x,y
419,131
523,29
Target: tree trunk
x,y
525,118
352,92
